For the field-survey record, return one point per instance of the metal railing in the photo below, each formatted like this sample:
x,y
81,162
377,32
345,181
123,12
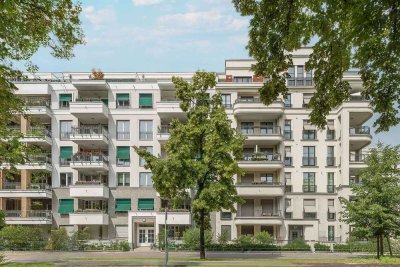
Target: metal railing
x,y
89,131
164,129
330,161
300,81
262,156
264,213
363,130
287,134
261,183
92,157
46,214
13,213
309,161
309,188
330,188
11,185
358,157
309,134
288,161
39,132
91,182
39,159
39,186
89,99
248,100
263,130
37,102
98,211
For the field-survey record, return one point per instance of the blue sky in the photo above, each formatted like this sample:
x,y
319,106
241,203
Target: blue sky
x,y
160,35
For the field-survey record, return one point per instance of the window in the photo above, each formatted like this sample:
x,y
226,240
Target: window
x,y
123,130
65,129
65,179
306,100
288,156
226,100
145,179
267,178
309,131
226,230
288,101
300,75
247,230
331,202
123,156
309,78
145,101
65,99
146,204
309,158
267,127
145,130
309,202
65,155
242,79
331,182
309,182
330,160
288,182
149,149
331,233
291,76
310,211
123,178
331,209
122,100
288,202
66,206
287,131
247,128
123,204
226,215
288,215
330,131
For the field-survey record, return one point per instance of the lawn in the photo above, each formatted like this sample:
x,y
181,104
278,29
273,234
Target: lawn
x,y
28,265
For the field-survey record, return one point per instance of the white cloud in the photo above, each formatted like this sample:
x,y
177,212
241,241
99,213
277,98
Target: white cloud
x,y
146,2
99,17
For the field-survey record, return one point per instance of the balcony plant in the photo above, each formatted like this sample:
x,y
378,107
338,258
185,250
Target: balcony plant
x,y
97,74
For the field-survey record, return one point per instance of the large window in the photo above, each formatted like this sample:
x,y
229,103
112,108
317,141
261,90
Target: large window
x,y
122,100
123,178
226,230
65,99
331,182
123,130
310,211
288,182
330,159
330,131
65,155
287,130
123,156
145,179
65,129
331,233
247,128
291,80
145,101
242,79
65,179
300,76
306,100
309,78
145,130
288,156
288,101
309,158
149,149
309,182
226,100
309,131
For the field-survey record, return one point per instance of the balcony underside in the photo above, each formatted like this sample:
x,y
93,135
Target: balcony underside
x,y
358,142
28,221
90,142
89,166
89,218
264,220
259,190
267,140
260,165
11,193
93,191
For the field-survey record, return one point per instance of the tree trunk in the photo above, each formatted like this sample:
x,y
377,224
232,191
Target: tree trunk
x,y
381,247
202,239
377,247
389,246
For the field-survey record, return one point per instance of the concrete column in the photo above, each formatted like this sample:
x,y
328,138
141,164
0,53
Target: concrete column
x,y
24,125
25,206
2,178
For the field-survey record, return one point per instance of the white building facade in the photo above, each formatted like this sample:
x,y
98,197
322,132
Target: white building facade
x,y
294,173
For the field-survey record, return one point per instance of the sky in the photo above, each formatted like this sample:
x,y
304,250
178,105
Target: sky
x,y
161,35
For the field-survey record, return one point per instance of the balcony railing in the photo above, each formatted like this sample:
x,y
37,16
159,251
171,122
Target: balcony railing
x,y
98,211
38,132
287,134
330,188
358,157
261,183
39,159
12,185
263,213
266,130
37,102
89,131
90,182
39,214
13,213
92,157
262,156
288,161
363,130
330,161
39,186
309,188
89,99
309,161
300,81
164,129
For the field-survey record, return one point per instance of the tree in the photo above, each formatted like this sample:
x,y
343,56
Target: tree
x,y
25,26
362,35
374,213
202,153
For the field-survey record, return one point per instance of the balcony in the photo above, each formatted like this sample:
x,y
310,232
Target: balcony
x,y
90,85
309,161
89,110
38,136
39,107
262,135
259,189
33,190
163,133
37,162
83,189
357,160
174,217
89,217
261,161
309,188
90,136
273,217
253,109
359,137
91,161
170,109
300,82
32,217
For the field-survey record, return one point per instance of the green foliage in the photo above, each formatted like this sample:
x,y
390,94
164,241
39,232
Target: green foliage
x,y
263,238
296,245
191,238
245,240
374,212
59,240
350,34
123,245
17,237
224,237
239,247
79,238
321,247
2,219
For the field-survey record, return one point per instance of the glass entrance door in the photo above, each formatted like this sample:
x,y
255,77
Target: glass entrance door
x,y
145,236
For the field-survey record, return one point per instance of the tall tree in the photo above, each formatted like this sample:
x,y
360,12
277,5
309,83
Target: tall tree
x,y
25,26
374,211
350,34
201,153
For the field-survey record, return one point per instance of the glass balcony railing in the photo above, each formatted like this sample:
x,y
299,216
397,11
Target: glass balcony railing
x,y
90,158
309,161
266,130
89,131
363,130
37,102
262,156
38,132
358,157
309,188
330,188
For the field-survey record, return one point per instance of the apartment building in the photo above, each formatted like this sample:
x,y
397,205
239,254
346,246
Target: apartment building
x,y
294,173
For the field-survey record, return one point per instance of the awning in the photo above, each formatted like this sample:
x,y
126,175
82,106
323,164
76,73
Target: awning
x,y
123,204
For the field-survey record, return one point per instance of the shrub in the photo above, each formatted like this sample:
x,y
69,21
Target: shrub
x,y
58,240
239,247
123,245
191,238
263,238
245,241
18,237
224,237
2,219
321,247
297,245
79,238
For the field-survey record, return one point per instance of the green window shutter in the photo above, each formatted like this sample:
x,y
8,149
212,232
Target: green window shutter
x,y
123,204
65,152
66,206
123,152
66,97
146,100
122,97
146,204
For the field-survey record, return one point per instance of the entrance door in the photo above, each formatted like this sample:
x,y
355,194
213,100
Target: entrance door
x,y
145,236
